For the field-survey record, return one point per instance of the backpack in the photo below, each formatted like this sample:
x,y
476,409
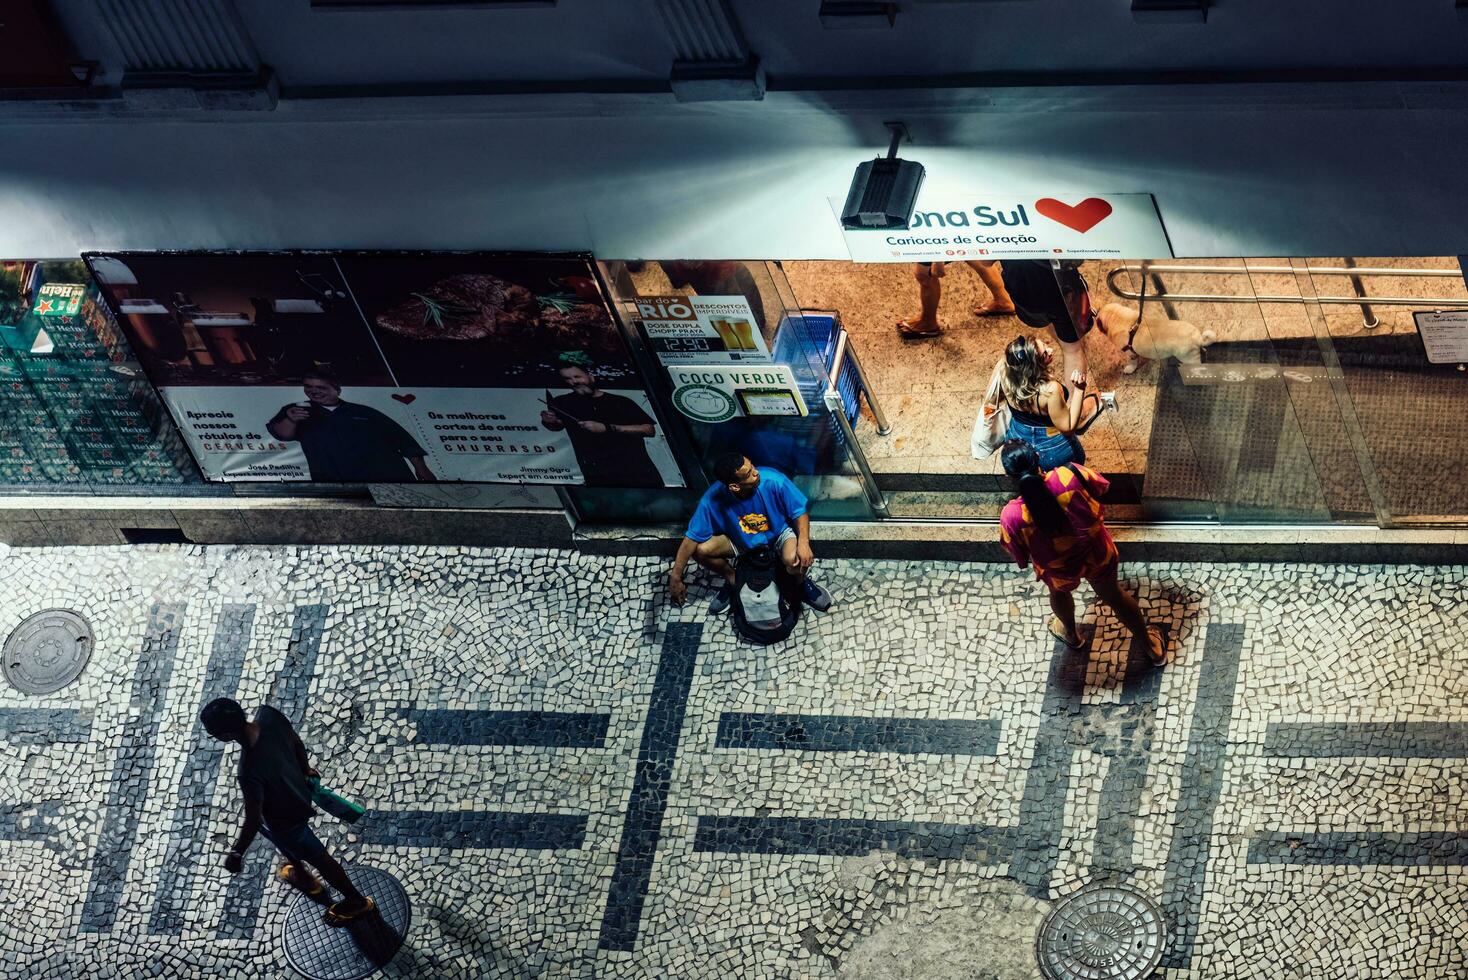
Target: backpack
x,y
766,602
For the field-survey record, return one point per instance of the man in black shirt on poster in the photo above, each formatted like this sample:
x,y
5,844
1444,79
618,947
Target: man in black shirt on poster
x,y
274,776
345,442
608,432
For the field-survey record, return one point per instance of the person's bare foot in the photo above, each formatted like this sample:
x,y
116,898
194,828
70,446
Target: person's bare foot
x,y
916,328
1156,646
1073,640
994,308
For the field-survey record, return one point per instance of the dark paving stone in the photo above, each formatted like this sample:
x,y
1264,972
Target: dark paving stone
x,y
128,785
1202,785
45,726
819,835
650,784
288,696
548,729
187,834
1412,849
1399,739
850,733
460,829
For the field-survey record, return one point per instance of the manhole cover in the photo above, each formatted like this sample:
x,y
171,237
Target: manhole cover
x,y
322,952
1102,933
47,651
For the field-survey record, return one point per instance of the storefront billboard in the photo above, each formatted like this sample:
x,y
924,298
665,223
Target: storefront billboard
x,y
383,367
990,226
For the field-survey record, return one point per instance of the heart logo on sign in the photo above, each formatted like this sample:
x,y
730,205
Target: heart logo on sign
x,y
1082,217
405,399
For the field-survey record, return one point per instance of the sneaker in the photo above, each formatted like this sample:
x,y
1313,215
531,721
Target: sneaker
x,y
722,600
815,596
1108,400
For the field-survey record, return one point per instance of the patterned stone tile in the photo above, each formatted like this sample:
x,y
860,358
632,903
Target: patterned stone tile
x,y
573,779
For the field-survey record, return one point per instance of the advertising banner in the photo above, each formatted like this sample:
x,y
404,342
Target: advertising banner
x,y
702,330
990,226
390,367
718,392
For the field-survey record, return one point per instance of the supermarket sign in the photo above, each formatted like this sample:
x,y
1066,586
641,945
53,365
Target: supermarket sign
x,y
1069,226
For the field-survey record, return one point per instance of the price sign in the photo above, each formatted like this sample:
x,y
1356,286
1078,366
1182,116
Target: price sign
x,y
702,330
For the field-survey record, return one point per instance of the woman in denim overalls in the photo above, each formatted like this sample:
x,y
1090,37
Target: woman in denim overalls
x,y
1041,410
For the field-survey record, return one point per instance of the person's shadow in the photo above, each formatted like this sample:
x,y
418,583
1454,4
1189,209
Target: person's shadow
x,y
1174,612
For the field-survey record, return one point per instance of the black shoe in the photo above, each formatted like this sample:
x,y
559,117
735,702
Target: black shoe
x,y
815,596
722,600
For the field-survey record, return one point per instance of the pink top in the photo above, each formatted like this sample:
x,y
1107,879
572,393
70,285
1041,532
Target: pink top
x,y
1063,560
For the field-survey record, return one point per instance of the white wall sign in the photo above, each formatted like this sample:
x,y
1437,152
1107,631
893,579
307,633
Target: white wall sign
x,y
719,392
703,329
1075,226
1444,336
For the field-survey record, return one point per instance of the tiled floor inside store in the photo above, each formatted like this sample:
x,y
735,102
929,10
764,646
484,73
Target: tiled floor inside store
x,y
931,389
573,779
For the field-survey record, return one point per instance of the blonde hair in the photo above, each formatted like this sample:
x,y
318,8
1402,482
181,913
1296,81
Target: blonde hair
x,y
1022,373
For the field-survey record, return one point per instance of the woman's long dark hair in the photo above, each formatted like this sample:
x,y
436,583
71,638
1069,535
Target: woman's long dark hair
x,y
1022,464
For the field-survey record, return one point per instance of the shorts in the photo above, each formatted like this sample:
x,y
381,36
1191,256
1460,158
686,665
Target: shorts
x,y
296,843
737,549
1044,297
1054,448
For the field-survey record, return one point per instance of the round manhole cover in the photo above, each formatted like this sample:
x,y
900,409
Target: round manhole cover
x,y
322,952
1102,933
47,651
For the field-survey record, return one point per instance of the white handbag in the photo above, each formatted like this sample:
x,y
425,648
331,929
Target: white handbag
x,y
991,426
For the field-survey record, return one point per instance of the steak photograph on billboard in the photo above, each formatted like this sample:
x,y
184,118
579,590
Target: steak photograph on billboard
x,y
383,367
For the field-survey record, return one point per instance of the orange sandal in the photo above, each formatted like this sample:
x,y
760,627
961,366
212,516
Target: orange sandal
x,y
284,874
335,918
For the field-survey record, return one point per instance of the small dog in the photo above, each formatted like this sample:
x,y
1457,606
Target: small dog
x,y
1156,338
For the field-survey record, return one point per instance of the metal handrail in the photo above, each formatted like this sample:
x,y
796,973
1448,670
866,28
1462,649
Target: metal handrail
x,y
842,349
1363,301
837,407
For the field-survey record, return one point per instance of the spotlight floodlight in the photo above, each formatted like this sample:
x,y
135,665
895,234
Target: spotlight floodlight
x,y
884,191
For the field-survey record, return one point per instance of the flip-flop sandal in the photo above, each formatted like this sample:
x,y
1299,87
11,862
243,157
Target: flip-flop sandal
x,y
1164,633
986,311
1057,631
284,874
335,918
907,331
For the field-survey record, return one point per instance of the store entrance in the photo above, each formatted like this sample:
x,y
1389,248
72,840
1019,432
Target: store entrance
x,y
1285,414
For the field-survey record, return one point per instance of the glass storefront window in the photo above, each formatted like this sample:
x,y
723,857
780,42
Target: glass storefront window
x,y
812,448
78,413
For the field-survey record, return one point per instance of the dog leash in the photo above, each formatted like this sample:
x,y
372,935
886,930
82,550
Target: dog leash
x,y
1131,334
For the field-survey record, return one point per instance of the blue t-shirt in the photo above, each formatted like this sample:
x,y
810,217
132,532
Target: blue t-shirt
x,y
760,519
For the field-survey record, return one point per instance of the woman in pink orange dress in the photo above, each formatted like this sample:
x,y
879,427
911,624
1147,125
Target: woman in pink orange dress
x,y
1056,525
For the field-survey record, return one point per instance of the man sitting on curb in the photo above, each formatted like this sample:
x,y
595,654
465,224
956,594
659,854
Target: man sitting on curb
x,y
749,506
274,780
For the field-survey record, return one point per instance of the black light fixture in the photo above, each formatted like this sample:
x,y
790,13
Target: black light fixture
x,y
1170,11
884,191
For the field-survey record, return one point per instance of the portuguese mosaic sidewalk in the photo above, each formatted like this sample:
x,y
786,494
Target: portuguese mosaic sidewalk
x,y
572,779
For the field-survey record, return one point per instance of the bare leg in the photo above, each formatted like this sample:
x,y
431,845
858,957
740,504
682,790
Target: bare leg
x,y
1075,357
1063,604
1115,595
930,293
715,557
787,555
999,298
1086,423
336,877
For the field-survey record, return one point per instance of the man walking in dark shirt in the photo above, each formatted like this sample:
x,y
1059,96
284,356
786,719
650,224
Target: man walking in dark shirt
x,y
345,442
608,432
274,779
